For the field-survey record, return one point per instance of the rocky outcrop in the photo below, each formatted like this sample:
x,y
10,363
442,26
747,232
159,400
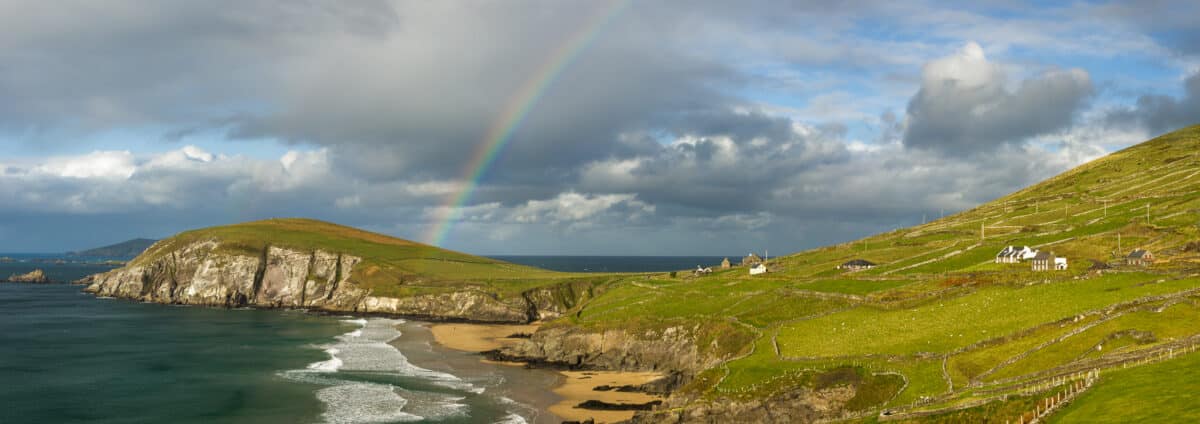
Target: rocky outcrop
x,y
795,406
36,276
839,393
671,349
460,305
205,273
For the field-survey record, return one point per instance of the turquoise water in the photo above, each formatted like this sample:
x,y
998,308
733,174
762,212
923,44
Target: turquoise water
x,y
66,356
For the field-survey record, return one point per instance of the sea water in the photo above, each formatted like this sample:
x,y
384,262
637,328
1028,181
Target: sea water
x,y
66,356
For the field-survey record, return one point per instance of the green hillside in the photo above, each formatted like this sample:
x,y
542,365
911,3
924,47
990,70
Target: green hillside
x,y
970,337
390,266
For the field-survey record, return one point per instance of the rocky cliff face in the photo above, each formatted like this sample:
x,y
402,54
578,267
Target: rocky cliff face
x,y
670,350
675,352
796,406
201,273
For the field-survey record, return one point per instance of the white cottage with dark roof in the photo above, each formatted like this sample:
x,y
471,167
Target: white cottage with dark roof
x,y
1013,254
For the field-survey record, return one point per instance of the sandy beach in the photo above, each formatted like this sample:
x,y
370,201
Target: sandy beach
x,y
478,337
574,388
530,388
578,386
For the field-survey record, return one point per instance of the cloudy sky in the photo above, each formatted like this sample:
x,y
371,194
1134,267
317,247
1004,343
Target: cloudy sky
x,y
661,127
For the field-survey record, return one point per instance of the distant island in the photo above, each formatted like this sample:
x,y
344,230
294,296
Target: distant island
x,y
125,249
36,276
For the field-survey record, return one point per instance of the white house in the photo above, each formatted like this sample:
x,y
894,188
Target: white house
x,y
1012,254
758,269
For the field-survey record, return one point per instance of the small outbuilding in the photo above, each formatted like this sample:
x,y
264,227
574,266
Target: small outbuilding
x,y
725,263
758,269
1060,264
856,265
702,270
1139,257
1046,261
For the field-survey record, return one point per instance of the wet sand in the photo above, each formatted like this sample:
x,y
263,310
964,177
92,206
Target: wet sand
x,y
528,388
571,389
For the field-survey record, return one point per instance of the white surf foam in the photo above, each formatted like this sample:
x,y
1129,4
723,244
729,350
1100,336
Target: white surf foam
x,y
363,403
512,418
433,406
331,365
367,350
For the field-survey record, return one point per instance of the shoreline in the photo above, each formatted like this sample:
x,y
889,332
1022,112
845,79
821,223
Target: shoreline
x,y
572,388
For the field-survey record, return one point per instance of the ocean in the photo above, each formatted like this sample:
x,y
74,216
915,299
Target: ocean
x,y
66,356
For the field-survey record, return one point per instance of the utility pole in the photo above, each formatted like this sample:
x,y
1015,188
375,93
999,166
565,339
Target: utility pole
x,y
1106,208
981,232
1147,214
1120,251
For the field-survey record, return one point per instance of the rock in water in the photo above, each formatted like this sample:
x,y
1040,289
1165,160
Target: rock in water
x,y
35,276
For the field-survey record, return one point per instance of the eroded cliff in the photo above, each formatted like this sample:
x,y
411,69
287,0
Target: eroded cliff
x,y
205,273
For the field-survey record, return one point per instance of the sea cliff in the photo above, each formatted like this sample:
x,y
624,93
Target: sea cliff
x,y
203,273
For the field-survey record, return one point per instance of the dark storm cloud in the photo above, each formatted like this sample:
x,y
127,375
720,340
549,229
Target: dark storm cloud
x,y
87,66
1158,113
424,112
964,106
648,134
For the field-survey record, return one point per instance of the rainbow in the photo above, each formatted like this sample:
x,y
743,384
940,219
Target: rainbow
x,y
499,133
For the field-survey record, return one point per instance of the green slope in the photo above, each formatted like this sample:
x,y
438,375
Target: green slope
x,y
937,310
1163,392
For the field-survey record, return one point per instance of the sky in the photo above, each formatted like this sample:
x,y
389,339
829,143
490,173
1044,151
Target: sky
x,y
566,127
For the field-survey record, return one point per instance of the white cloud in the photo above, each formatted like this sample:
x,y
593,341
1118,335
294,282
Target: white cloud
x,y
965,106
572,206
99,164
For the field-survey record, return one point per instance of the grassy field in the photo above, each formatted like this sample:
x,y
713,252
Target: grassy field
x,y
1166,392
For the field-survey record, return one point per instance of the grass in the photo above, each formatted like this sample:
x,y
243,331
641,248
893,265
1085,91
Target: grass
x,y
848,286
950,324
1175,322
1157,393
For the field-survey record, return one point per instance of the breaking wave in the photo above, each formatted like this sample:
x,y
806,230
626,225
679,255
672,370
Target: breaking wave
x,y
366,351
